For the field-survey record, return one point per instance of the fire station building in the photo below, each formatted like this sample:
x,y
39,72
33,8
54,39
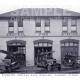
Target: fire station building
x,y
32,29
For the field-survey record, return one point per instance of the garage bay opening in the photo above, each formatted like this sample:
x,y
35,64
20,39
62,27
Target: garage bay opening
x,y
69,49
42,46
17,48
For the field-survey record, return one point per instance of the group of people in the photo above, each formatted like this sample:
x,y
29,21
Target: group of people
x,y
69,57
42,55
42,52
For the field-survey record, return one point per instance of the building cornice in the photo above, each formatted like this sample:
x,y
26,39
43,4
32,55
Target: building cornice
x,y
34,36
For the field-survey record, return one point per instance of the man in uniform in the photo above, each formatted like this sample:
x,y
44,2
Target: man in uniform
x,y
66,57
38,55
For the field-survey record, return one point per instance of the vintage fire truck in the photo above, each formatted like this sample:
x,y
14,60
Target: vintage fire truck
x,y
72,61
45,60
12,61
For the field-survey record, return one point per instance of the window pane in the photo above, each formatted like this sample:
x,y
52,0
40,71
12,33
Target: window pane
x,y
71,44
11,28
13,43
18,43
65,22
62,44
11,23
38,28
36,45
20,28
45,44
40,44
73,22
47,28
66,44
38,22
75,44
49,44
47,23
73,28
64,28
20,23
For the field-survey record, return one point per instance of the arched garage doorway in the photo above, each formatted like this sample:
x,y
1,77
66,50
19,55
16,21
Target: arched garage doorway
x,y
42,44
69,46
17,46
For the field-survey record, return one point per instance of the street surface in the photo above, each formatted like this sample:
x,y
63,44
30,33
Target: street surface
x,y
39,70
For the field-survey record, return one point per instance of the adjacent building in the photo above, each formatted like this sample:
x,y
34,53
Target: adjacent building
x,y
32,29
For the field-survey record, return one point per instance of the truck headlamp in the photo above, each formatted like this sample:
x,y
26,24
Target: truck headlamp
x,y
56,62
13,63
52,62
78,62
7,64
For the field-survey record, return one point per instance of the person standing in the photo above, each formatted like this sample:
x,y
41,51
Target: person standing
x,y
38,55
46,55
42,54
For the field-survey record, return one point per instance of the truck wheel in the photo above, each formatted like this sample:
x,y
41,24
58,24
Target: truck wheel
x,y
64,63
37,65
9,69
49,67
75,65
59,68
18,65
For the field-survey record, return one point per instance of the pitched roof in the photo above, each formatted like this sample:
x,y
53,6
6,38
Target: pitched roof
x,y
40,12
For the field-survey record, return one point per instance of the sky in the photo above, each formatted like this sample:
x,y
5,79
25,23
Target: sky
x,y
10,5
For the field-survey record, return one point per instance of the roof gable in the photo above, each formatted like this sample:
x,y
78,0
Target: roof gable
x,y
40,12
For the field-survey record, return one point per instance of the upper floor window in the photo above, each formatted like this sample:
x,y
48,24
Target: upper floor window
x,y
64,26
20,28
74,26
74,22
11,27
20,23
47,25
65,22
11,23
38,24
64,30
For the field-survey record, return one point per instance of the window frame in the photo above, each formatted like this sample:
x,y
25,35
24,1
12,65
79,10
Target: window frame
x,y
37,23
46,21
72,22
64,32
37,26
74,31
47,25
64,23
20,21
9,24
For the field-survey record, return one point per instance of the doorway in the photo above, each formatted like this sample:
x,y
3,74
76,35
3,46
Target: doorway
x,y
69,46
43,44
17,47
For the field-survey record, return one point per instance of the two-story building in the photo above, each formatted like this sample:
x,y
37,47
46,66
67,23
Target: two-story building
x,y
32,29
